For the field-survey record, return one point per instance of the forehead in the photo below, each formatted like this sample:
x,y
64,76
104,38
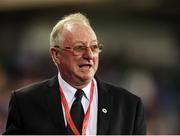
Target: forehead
x,y
76,31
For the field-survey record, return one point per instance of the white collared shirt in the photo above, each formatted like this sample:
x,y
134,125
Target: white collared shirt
x,y
69,93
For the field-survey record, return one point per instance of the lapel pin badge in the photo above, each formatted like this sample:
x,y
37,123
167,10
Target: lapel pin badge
x,y
104,110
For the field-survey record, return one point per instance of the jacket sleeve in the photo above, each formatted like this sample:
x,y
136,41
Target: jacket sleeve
x,y
140,122
14,122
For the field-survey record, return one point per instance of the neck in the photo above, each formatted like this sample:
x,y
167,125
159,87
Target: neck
x,y
78,84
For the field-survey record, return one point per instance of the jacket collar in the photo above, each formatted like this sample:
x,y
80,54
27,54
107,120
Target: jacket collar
x,y
53,104
104,107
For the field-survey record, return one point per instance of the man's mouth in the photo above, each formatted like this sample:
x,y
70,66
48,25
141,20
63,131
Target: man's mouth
x,y
85,66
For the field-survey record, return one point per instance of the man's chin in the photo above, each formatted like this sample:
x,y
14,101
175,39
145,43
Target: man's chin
x,y
87,78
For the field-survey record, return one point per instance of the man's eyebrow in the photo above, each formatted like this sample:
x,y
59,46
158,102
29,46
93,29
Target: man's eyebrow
x,y
79,42
94,40
84,42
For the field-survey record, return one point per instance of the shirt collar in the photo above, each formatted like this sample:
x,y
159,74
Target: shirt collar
x,y
70,91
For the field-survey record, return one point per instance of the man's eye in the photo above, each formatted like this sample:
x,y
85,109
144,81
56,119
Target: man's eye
x,y
78,48
94,46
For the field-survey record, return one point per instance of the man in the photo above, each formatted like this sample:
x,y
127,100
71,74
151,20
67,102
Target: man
x,y
75,101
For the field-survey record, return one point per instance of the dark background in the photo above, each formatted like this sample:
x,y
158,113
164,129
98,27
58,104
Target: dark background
x,y
141,50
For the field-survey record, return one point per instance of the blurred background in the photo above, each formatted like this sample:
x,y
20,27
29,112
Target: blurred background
x,y
141,50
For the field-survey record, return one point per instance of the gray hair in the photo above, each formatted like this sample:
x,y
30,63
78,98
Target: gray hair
x,y
55,36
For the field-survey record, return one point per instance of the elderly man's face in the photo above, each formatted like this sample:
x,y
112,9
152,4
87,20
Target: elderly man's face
x,y
78,69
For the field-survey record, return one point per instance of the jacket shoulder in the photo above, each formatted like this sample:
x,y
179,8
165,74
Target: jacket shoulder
x,y
34,89
119,92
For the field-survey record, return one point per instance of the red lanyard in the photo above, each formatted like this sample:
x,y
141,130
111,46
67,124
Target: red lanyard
x,y
68,115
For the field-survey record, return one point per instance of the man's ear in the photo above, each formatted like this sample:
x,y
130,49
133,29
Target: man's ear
x,y
54,54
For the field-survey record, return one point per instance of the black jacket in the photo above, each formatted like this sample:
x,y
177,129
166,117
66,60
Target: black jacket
x,y
37,109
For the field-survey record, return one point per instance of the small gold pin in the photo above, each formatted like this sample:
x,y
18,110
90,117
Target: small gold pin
x,y
104,110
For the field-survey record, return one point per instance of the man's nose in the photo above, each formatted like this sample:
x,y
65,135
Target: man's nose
x,y
88,53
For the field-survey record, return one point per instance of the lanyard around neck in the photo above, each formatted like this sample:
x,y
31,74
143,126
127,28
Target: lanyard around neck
x,y
68,115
